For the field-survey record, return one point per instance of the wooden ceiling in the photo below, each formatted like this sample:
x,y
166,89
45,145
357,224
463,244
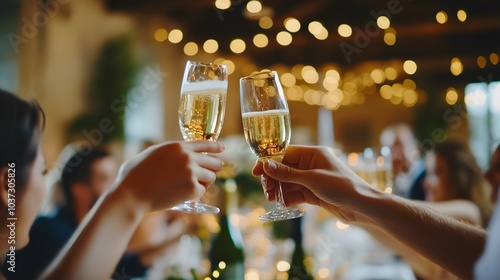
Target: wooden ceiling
x,y
419,37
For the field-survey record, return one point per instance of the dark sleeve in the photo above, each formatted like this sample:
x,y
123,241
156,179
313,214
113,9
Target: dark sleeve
x,y
47,237
130,265
417,191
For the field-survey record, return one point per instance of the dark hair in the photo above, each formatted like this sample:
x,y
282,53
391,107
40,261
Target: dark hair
x,y
20,130
465,175
78,168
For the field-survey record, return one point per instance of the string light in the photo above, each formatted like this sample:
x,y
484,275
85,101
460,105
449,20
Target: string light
x,y
292,24
383,22
222,4
260,40
254,6
390,36
265,22
441,17
284,38
344,30
160,34
410,67
461,15
175,36
315,27
237,46
377,76
210,46
494,58
456,66
481,61
191,48
451,96
391,73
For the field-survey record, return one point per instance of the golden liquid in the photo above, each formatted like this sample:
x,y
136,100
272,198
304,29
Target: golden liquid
x,y
201,114
385,179
267,133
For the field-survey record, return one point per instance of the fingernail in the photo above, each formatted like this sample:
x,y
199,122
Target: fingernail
x,y
222,145
272,166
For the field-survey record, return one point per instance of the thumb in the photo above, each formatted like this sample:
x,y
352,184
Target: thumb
x,y
284,173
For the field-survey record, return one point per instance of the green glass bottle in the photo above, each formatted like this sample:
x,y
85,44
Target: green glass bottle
x,y
226,252
298,270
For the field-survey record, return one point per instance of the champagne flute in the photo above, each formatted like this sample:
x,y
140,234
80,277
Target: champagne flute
x,y
266,124
201,113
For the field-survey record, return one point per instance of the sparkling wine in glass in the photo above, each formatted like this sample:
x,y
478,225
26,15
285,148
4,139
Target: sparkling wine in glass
x,y
201,113
266,124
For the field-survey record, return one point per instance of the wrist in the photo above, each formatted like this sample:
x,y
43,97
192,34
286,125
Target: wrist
x,y
129,204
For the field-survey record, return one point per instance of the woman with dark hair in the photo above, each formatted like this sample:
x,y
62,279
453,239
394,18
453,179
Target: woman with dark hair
x,y
158,178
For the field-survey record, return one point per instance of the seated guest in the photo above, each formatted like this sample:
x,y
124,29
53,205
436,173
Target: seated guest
x,y
85,176
407,162
453,186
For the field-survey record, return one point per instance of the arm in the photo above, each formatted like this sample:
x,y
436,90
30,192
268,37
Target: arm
x,y
314,175
158,178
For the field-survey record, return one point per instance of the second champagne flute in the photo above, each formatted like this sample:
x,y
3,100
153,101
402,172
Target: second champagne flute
x,y
201,113
266,124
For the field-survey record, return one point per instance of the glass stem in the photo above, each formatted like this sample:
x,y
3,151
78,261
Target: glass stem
x,y
280,202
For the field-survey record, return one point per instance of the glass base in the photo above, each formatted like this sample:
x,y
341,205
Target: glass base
x,y
281,215
196,207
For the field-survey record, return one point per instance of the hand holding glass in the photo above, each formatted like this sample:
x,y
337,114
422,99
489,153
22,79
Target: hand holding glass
x,y
201,113
266,124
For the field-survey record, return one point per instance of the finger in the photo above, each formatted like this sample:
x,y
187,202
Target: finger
x,y
268,186
205,146
205,176
208,162
284,173
258,168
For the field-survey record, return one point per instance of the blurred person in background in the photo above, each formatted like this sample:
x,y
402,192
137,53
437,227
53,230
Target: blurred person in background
x,y
454,186
407,161
157,178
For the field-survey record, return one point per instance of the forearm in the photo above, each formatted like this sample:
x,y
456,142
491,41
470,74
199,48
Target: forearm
x,y
452,244
99,242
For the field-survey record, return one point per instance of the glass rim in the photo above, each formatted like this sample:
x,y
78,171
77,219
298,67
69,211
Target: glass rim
x,y
210,64
260,75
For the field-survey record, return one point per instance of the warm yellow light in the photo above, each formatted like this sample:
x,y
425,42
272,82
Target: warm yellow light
x,y
344,30
237,46
451,96
410,67
175,36
323,273
292,24
441,17
409,84
191,48
284,38
481,61
210,46
390,73
310,75
288,80
230,66
383,22
330,83
260,40
254,6
294,93
331,100
322,35
377,76
333,73
222,4
265,22
494,58
386,92
390,37
410,97
160,34
315,27
461,15
456,66
283,266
